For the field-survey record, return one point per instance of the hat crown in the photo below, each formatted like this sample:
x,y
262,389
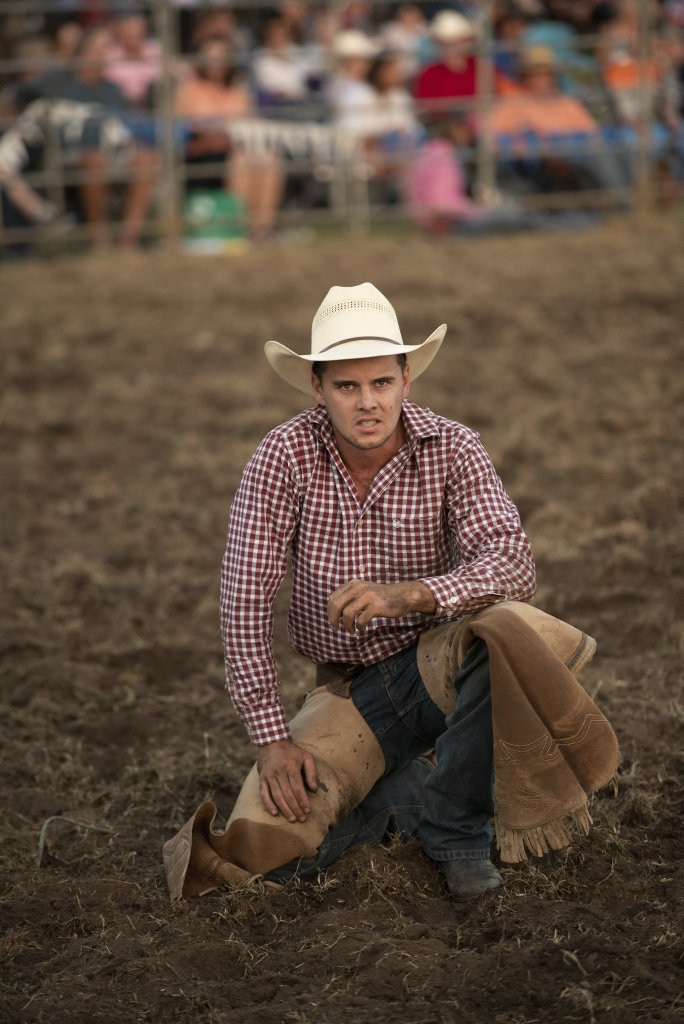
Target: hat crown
x,y
352,42
352,314
447,26
350,324
537,56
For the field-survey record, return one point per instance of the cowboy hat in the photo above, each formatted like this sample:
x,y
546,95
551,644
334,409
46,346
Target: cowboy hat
x,y
351,43
451,27
352,323
537,58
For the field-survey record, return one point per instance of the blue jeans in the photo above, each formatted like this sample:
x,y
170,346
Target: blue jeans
x,y
448,807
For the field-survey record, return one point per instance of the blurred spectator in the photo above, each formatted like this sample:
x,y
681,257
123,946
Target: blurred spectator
x,y
675,106
295,17
538,107
22,205
450,83
577,13
578,71
395,130
377,106
93,12
134,58
21,151
526,126
352,53
383,121
102,165
509,27
35,54
635,88
213,22
674,12
279,69
357,15
391,113
437,192
436,187
405,34
67,37
453,75
317,46
209,101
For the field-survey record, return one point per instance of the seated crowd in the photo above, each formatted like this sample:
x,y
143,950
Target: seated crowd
x,y
406,83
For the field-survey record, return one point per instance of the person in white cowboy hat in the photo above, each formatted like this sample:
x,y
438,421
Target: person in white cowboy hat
x,y
395,521
352,54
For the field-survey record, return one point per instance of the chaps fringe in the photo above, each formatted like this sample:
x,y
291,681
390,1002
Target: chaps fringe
x,y
514,844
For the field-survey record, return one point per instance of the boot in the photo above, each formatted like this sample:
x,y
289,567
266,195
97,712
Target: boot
x,y
469,878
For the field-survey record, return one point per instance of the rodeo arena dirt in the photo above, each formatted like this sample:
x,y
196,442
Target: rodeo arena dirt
x,y
134,390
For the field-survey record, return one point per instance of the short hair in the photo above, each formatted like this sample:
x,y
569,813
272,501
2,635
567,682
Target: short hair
x,y
317,367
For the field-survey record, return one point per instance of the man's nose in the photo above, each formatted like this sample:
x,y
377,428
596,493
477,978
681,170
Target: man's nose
x,y
367,397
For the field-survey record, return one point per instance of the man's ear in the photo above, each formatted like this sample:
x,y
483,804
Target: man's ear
x,y
407,381
317,390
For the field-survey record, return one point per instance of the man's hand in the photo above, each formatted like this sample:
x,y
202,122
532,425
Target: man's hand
x,y
353,605
286,772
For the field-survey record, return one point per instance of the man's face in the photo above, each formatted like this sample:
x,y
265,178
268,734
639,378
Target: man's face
x,y
363,398
454,52
541,82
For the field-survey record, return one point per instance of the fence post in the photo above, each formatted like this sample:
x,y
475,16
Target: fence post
x,y
484,83
165,28
644,172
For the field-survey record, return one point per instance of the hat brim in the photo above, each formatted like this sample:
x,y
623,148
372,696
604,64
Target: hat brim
x,y
296,369
454,37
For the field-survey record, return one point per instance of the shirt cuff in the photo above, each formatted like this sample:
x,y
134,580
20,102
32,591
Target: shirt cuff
x,y
266,725
449,603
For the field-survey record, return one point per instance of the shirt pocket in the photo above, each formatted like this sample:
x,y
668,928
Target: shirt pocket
x,y
406,547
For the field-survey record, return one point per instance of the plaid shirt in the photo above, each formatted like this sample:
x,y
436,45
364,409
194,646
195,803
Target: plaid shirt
x,y
436,512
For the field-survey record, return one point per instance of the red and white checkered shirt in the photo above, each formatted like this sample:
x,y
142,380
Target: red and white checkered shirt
x,y
436,512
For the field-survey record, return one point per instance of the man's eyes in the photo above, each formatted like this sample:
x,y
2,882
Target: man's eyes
x,y
349,386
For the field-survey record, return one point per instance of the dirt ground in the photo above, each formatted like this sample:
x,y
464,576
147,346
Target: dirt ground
x,y
133,391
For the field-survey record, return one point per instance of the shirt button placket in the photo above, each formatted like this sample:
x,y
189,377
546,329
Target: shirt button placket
x,y
359,547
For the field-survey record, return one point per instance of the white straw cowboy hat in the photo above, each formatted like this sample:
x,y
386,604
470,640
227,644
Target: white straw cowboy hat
x,y
352,43
451,27
352,323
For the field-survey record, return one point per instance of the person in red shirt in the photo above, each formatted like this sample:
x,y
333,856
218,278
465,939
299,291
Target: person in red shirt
x,y
454,75
450,84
